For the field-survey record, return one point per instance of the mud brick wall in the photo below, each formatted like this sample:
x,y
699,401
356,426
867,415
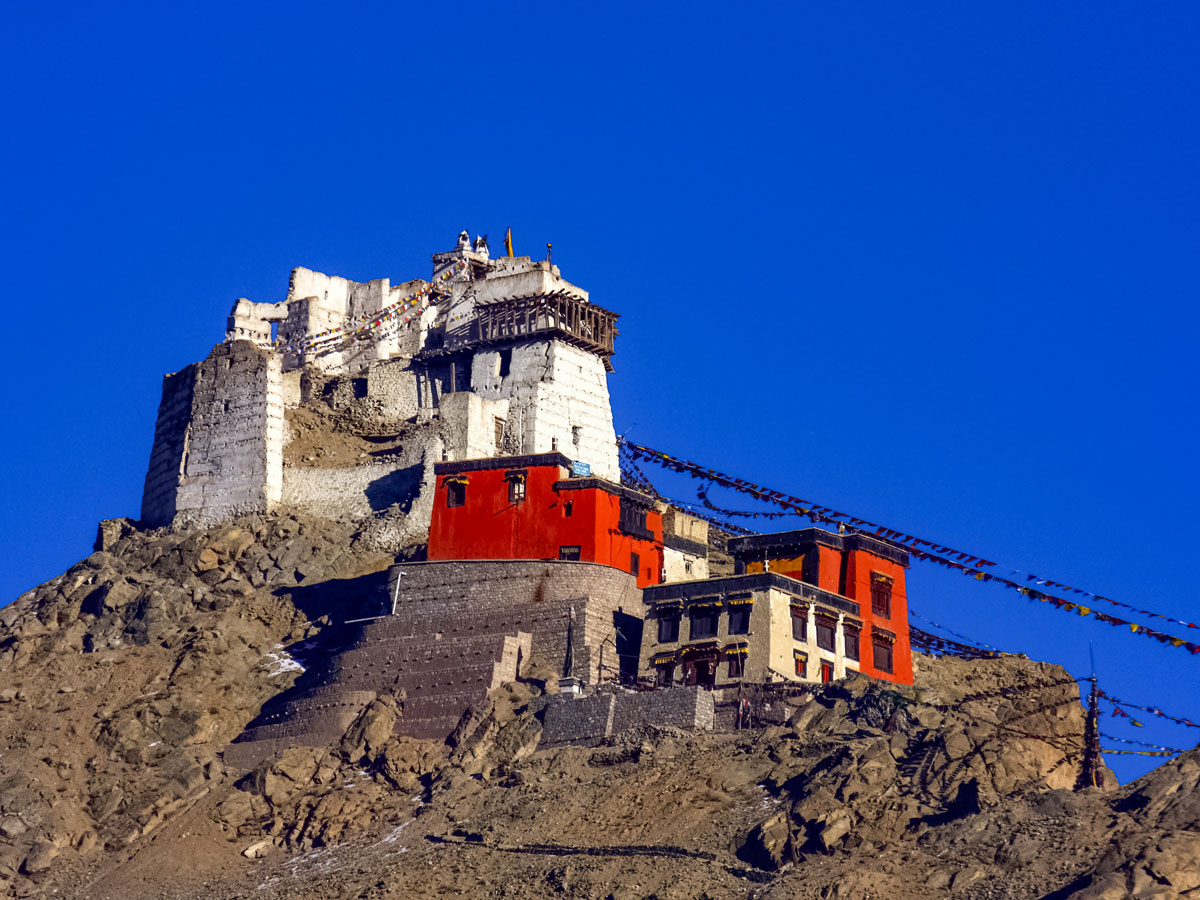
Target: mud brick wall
x,y
463,597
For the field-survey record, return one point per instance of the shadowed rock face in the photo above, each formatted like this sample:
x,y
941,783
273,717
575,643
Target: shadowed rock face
x,y
123,681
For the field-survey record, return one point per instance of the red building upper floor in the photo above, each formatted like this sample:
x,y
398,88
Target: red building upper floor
x,y
863,568
531,507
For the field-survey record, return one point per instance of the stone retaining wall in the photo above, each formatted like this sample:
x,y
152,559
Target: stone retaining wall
x,y
570,718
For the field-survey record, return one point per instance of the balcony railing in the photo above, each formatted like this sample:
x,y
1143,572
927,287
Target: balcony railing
x,y
558,314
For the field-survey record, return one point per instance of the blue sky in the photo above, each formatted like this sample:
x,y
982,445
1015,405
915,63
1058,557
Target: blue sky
x,y
932,264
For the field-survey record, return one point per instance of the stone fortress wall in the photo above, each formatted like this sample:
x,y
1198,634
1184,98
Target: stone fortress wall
x,y
221,434
218,448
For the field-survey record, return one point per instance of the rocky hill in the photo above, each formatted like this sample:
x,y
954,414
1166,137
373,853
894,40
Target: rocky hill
x,y
123,680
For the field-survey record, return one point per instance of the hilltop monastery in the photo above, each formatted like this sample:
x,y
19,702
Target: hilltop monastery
x,y
469,415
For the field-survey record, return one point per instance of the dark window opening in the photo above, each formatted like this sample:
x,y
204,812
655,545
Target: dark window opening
x,y
456,493
569,553
851,635
568,508
666,674
735,666
504,364
881,596
704,624
739,619
825,634
635,563
668,628
883,656
632,520
799,626
516,488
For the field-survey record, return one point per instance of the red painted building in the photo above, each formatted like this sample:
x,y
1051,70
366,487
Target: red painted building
x,y
860,567
531,507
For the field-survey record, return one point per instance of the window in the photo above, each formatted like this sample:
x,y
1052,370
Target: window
x,y
739,619
799,625
825,633
568,508
851,635
456,493
881,595
883,656
801,665
499,424
826,672
516,487
635,563
735,666
668,627
704,623
632,520
504,363
576,434
569,553
666,674
687,566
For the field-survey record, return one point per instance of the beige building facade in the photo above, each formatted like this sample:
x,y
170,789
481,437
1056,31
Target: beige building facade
x,y
762,627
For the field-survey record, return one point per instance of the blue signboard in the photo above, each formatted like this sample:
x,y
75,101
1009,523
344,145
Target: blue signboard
x,y
580,469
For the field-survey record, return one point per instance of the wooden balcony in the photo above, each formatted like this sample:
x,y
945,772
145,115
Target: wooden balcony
x,y
557,315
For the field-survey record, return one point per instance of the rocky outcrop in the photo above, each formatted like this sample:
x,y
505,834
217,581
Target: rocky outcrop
x,y
125,677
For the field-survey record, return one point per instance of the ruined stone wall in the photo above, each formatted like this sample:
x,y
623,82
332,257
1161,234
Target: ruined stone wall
x,y
392,389
234,457
163,475
466,597
218,446
361,491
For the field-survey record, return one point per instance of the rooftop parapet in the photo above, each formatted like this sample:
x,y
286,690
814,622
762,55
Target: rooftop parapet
x,y
753,547
687,591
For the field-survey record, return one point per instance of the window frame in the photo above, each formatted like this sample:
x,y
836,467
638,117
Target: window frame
x,y
802,619
881,595
742,611
852,637
569,552
710,615
671,621
886,647
824,624
456,493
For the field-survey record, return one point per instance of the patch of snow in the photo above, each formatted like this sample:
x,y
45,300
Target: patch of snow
x,y
395,833
279,662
